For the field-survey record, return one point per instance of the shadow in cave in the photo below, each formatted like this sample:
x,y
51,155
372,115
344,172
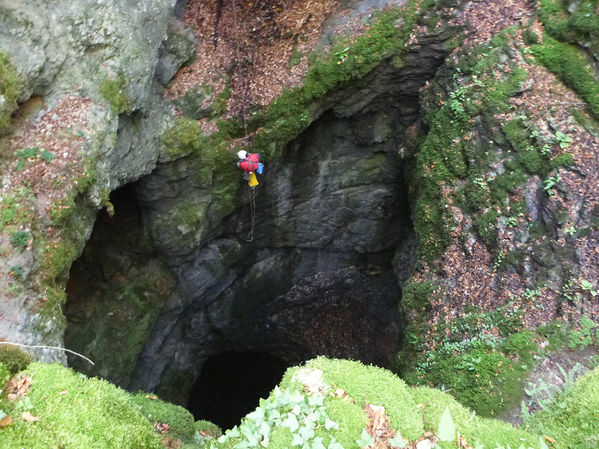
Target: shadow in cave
x,y
231,385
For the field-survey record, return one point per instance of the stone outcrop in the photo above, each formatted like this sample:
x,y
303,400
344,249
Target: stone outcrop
x,y
390,167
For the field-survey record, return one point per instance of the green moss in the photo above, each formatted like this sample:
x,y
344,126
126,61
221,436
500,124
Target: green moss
x,y
486,226
416,295
115,93
291,112
210,429
582,25
483,379
14,359
127,311
219,107
77,413
180,421
572,67
447,155
487,432
4,375
10,89
350,418
571,419
481,356
363,383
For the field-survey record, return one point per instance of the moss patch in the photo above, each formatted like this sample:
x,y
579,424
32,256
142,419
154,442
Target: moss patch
x,y
75,412
572,419
10,88
572,66
115,93
180,421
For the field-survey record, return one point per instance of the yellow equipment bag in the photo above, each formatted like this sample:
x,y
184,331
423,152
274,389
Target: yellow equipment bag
x,y
253,181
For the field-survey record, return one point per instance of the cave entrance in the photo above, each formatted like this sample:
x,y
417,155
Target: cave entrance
x,y
231,385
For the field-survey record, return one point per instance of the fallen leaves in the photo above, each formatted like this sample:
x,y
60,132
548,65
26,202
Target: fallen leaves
x,y
27,416
18,387
6,421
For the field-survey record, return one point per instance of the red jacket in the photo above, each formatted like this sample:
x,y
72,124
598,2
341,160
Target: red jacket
x,y
250,163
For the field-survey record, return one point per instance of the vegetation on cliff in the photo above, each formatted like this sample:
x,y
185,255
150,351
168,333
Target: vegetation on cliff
x,y
326,403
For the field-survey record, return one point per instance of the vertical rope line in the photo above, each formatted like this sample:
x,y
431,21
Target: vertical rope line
x,y
252,196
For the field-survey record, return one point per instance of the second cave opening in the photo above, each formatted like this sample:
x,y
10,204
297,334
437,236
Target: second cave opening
x,y
231,384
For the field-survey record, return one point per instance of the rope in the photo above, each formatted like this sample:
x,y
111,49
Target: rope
x,y
46,347
252,196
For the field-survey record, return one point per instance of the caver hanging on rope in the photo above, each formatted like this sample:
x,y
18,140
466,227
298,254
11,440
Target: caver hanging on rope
x,y
250,164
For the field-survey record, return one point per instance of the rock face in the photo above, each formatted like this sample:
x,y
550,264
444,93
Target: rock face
x,y
318,272
96,112
402,187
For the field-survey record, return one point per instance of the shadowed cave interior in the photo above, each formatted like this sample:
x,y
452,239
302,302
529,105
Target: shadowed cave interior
x,y
215,328
231,384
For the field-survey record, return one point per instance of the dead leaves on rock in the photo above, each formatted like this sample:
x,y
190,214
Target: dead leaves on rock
x,y
379,428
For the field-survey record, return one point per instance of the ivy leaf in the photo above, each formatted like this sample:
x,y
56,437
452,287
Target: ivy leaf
x,y
317,444
273,415
447,429
316,399
297,440
265,441
330,424
306,432
365,439
291,422
398,441
264,429
333,444
233,433
296,397
257,415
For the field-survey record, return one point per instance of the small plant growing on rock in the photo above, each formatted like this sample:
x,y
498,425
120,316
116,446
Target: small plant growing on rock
x,y
20,239
16,271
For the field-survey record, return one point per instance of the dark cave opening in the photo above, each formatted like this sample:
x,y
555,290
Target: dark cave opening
x,y
231,385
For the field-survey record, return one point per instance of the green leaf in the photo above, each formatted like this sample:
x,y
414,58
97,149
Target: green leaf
x,y
306,432
316,399
587,285
3,414
264,428
447,431
232,433
397,441
333,444
330,424
543,444
257,415
291,422
297,440
317,444
296,397
365,439
273,415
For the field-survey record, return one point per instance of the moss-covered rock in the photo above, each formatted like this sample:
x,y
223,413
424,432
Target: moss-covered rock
x,y
572,420
10,88
14,359
74,412
180,421
339,392
325,402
